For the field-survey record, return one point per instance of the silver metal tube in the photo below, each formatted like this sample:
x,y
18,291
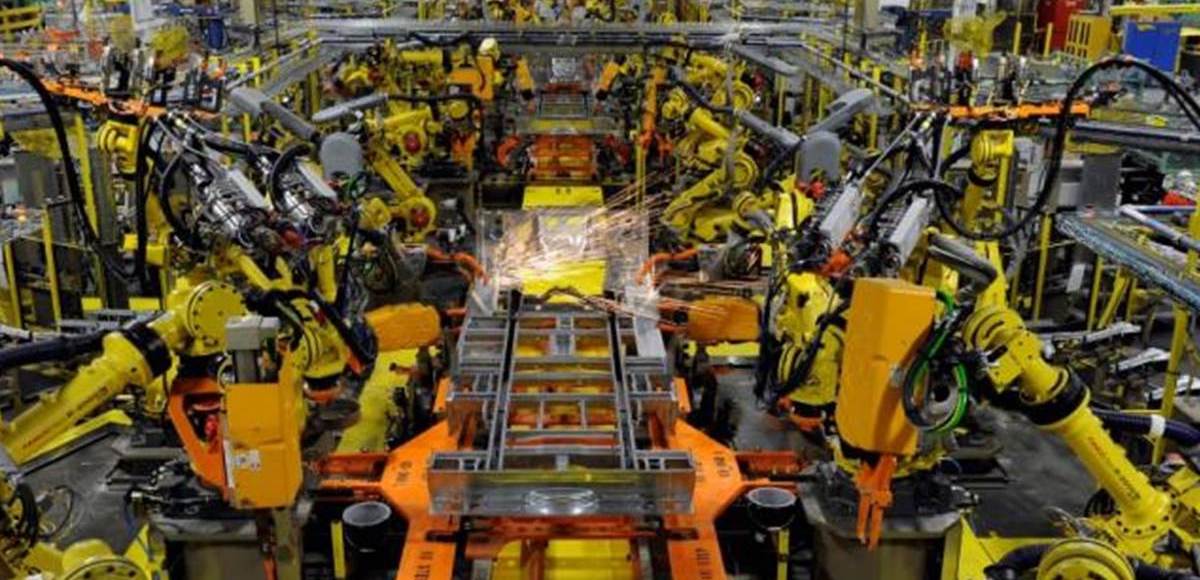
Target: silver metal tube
x,y
1177,238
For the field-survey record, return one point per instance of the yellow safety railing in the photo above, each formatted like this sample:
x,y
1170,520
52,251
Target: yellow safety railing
x,y
21,18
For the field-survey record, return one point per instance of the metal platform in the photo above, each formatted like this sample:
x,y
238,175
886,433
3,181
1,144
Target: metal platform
x,y
1105,236
560,402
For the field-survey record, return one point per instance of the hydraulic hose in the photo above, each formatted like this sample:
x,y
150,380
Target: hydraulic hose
x,y
776,163
53,349
72,175
1025,558
227,146
1178,431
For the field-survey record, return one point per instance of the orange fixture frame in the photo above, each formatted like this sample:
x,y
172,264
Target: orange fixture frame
x,y
431,544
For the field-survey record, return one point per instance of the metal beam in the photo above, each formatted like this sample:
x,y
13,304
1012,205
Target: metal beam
x,y
1102,236
700,35
1153,9
1150,138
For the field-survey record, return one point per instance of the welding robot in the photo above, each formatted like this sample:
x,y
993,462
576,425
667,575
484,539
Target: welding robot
x,y
902,339
257,293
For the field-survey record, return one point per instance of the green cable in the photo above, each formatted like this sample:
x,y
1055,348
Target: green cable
x,y
917,373
960,405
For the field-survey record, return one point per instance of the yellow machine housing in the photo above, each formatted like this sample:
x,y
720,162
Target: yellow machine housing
x,y
887,319
262,423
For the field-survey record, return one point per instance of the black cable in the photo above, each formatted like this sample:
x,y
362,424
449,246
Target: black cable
x,y
356,347
1177,431
1017,562
954,157
1189,105
141,196
777,162
226,145
694,94
427,41
1146,571
181,230
764,371
351,237
285,159
72,176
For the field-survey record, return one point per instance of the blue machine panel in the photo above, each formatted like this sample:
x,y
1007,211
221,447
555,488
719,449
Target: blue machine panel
x,y
1154,42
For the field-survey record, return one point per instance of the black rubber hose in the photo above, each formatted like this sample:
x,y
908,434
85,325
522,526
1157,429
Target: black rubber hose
x,y
72,176
427,41
164,201
285,159
695,96
1016,562
777,162
1181,433
226,145
340,304
54,349
141,196
27,527
890,198
954,157
331,314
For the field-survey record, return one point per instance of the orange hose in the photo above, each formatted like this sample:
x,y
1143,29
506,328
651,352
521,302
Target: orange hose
x,y
468,261
461,258
662,257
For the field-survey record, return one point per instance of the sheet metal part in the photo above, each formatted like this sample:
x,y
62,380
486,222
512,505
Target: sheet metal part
x,y
1101,235
561,432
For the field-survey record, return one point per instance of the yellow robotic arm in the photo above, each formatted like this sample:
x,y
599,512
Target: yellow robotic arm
x,y
1145,514
194,323
695,212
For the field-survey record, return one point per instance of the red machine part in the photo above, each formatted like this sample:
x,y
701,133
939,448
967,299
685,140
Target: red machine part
x,y
1059,13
